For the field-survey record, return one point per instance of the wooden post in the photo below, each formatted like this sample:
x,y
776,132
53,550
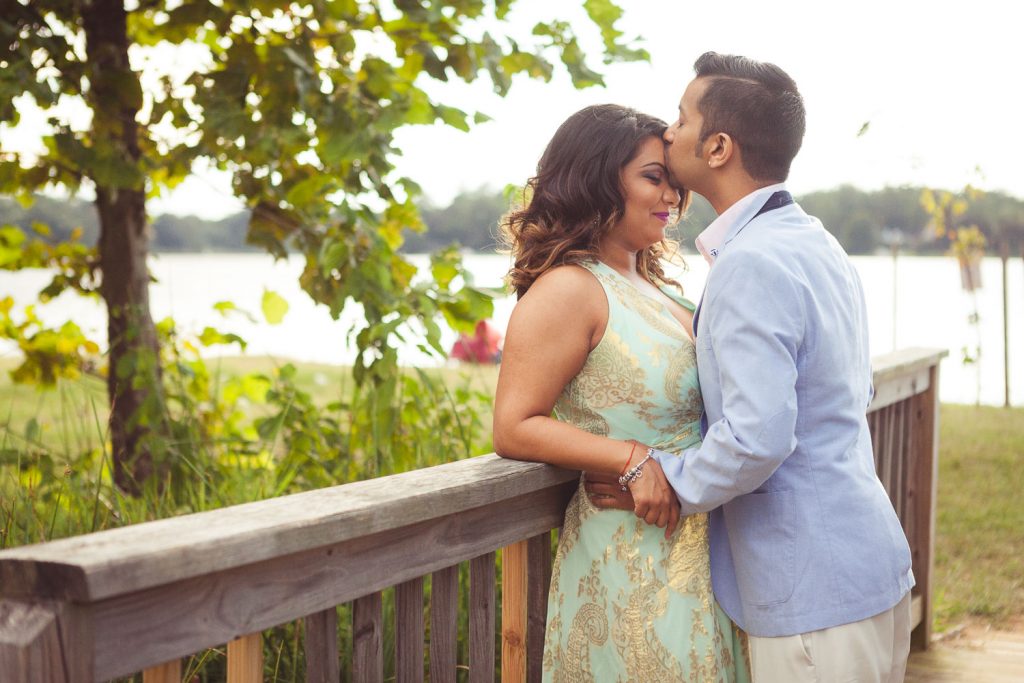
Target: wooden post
x,y
924,488
168,672
45,641
368,639
513,612
245,659
30,643
481,619
409,631
538,581
1004,256
444,624
321,647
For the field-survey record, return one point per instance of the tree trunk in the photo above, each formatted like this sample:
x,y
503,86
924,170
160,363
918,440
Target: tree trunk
x,y
133,379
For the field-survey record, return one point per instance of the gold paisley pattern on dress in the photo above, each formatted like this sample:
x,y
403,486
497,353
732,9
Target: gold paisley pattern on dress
x,y
681,380
586,419
653,313
612,375
686,563
625,603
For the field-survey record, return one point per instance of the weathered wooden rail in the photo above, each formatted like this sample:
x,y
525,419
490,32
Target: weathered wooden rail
x,y
142,597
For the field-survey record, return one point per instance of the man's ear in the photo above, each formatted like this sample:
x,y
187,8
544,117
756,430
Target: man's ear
x,y
718,149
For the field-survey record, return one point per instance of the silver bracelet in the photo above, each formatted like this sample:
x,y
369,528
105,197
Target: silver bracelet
x,y
635,472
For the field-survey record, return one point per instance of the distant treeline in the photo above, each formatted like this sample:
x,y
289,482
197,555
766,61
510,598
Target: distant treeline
x,y
170,233
862,221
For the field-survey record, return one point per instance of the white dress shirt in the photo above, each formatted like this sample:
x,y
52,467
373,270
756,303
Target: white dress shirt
x,y
710,240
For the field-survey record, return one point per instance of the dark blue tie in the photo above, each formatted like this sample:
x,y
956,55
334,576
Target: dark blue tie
x,y
776,201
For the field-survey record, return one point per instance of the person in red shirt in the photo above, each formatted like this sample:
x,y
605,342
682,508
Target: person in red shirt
x,y
483,347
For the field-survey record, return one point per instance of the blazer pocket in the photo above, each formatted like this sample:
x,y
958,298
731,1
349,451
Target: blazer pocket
x,y
762,538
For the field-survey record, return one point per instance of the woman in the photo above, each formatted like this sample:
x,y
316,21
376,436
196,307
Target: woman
x,y
597,338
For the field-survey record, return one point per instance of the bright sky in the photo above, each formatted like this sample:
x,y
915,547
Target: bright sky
x,y
940,83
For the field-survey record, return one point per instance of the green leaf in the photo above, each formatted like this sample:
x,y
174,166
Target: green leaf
x,y
456,118
224,307
444,267
274,307
420,109
605,14
502,7
213,337
313,188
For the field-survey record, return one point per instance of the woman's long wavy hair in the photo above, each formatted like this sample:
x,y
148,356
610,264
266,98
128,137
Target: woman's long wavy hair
x,y
576,196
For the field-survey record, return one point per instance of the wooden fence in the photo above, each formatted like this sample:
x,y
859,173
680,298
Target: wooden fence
x,y
140,598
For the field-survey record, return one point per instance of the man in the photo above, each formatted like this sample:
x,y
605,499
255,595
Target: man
x,y
807,553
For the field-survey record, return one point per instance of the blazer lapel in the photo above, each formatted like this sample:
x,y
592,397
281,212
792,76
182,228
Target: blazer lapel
x,y
696,311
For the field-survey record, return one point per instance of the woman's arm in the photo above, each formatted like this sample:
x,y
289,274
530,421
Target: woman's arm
x,y
552,331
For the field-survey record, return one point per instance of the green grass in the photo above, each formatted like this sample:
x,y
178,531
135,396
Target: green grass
x,y
979,554
72,417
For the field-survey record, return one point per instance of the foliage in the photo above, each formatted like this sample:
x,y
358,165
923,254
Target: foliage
x,y
300,103
944,207
48,353
967,244
72,263
239,432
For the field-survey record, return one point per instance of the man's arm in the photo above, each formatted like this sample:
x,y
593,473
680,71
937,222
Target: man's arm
x,y
754,317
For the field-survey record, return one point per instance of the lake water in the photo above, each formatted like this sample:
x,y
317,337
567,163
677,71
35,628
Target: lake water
x,y
930,310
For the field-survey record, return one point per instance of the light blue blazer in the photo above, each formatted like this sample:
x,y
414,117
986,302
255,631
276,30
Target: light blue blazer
x,y
803,536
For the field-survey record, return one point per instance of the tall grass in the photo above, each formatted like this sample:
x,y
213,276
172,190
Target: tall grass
x,y
268,429
242,429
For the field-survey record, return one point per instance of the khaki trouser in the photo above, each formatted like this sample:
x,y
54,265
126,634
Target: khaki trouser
x,y
872,650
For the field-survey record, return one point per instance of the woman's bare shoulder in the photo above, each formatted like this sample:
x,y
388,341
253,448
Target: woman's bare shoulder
x,y
568,298
567,282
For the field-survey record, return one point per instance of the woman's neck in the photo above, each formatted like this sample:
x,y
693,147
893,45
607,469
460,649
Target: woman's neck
x,y
620,260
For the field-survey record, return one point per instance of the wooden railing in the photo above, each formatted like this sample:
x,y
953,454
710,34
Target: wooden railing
x,y
904,421
140,598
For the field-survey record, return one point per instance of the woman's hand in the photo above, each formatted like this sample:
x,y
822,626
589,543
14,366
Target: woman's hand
x,y
654,500
606,492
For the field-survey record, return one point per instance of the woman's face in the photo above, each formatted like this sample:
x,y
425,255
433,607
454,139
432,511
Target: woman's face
x,y
650,201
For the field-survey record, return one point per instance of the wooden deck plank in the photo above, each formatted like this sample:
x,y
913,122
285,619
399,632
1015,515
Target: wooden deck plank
x,y
990,657
444,624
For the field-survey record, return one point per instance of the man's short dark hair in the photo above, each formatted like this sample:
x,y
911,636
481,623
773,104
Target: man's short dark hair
x,y
758,105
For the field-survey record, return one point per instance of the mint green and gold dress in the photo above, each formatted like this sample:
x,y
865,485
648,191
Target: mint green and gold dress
x,y
626,604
